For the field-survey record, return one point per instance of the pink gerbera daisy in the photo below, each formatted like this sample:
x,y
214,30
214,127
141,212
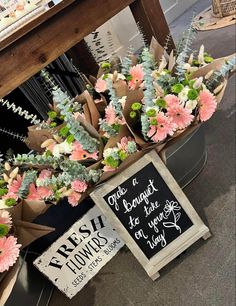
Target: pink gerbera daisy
x,y
110,115
172,100
207,102
44,174
101,85
137,76
164,127
44,192
5,218
180,116
15,185
33,193
74,198
79,186
9,252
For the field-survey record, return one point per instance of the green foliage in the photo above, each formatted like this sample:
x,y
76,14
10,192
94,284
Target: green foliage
x,y
65,104
37,160
219,75
145,125
30,177
127,62
148,66
183,50
4,229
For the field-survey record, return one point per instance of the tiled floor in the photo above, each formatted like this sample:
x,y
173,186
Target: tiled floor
x,y
205,274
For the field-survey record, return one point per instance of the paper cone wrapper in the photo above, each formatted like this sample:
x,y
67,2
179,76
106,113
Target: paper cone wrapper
x,y
37,136
22,216
156,50
7,283
90,110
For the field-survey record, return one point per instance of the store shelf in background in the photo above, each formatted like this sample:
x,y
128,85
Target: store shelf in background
x,y
31,24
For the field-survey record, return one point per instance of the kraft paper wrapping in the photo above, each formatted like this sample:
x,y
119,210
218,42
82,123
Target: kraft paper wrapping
x,y
37,136
6,285
26,232
90,110
22,216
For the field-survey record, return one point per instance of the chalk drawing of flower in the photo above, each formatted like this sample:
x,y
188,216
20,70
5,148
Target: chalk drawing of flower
x,y
171,207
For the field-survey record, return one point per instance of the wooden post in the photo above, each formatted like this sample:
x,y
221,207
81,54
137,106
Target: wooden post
x,y
83,58
150,16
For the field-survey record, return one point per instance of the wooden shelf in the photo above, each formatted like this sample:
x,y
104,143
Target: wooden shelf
x,y
41,41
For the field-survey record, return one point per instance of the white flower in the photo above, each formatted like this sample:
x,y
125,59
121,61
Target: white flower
x,y
62,148
201,55
187,66
153,107
109,151
122,101
191,104
183,95
198,83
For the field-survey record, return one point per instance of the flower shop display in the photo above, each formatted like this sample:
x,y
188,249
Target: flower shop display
x,y
152,100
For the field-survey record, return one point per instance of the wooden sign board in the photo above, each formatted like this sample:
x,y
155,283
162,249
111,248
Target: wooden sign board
x,y
80,253
150,213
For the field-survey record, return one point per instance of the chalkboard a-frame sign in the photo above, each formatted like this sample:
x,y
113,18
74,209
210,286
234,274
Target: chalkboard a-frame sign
x,y
150,212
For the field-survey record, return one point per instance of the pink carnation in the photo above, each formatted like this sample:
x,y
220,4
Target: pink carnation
x,y
137,75
79,186
110,114
15,185
180,116
172,100
164,128
208,105
45,174
101,85
5,218
9,252
44,192
74,198
33,193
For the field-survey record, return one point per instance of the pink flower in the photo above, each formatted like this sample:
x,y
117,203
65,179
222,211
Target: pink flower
x,y
5,218
208,105
137,75
180,116
172,100
9,252
110,114
33,193
74,198
15,185
101,85
45,174
79,186
44,192
164,128
108,168
10,195
79,153
51,146
123,144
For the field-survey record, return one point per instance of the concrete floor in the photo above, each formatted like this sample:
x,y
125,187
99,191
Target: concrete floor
x,y
205,274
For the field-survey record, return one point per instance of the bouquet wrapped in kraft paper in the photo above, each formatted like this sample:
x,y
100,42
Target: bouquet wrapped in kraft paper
x,y
158,98
16,232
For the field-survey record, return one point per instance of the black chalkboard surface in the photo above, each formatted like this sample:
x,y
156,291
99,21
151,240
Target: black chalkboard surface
x,y
148,210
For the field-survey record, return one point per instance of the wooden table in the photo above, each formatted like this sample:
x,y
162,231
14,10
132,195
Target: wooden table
x,y
62,27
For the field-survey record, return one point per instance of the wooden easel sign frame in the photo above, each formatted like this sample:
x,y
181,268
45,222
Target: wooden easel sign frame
x,y
150,212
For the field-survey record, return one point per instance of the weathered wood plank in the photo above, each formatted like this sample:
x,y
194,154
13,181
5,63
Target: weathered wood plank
x,y
150,16
49,40
34,23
